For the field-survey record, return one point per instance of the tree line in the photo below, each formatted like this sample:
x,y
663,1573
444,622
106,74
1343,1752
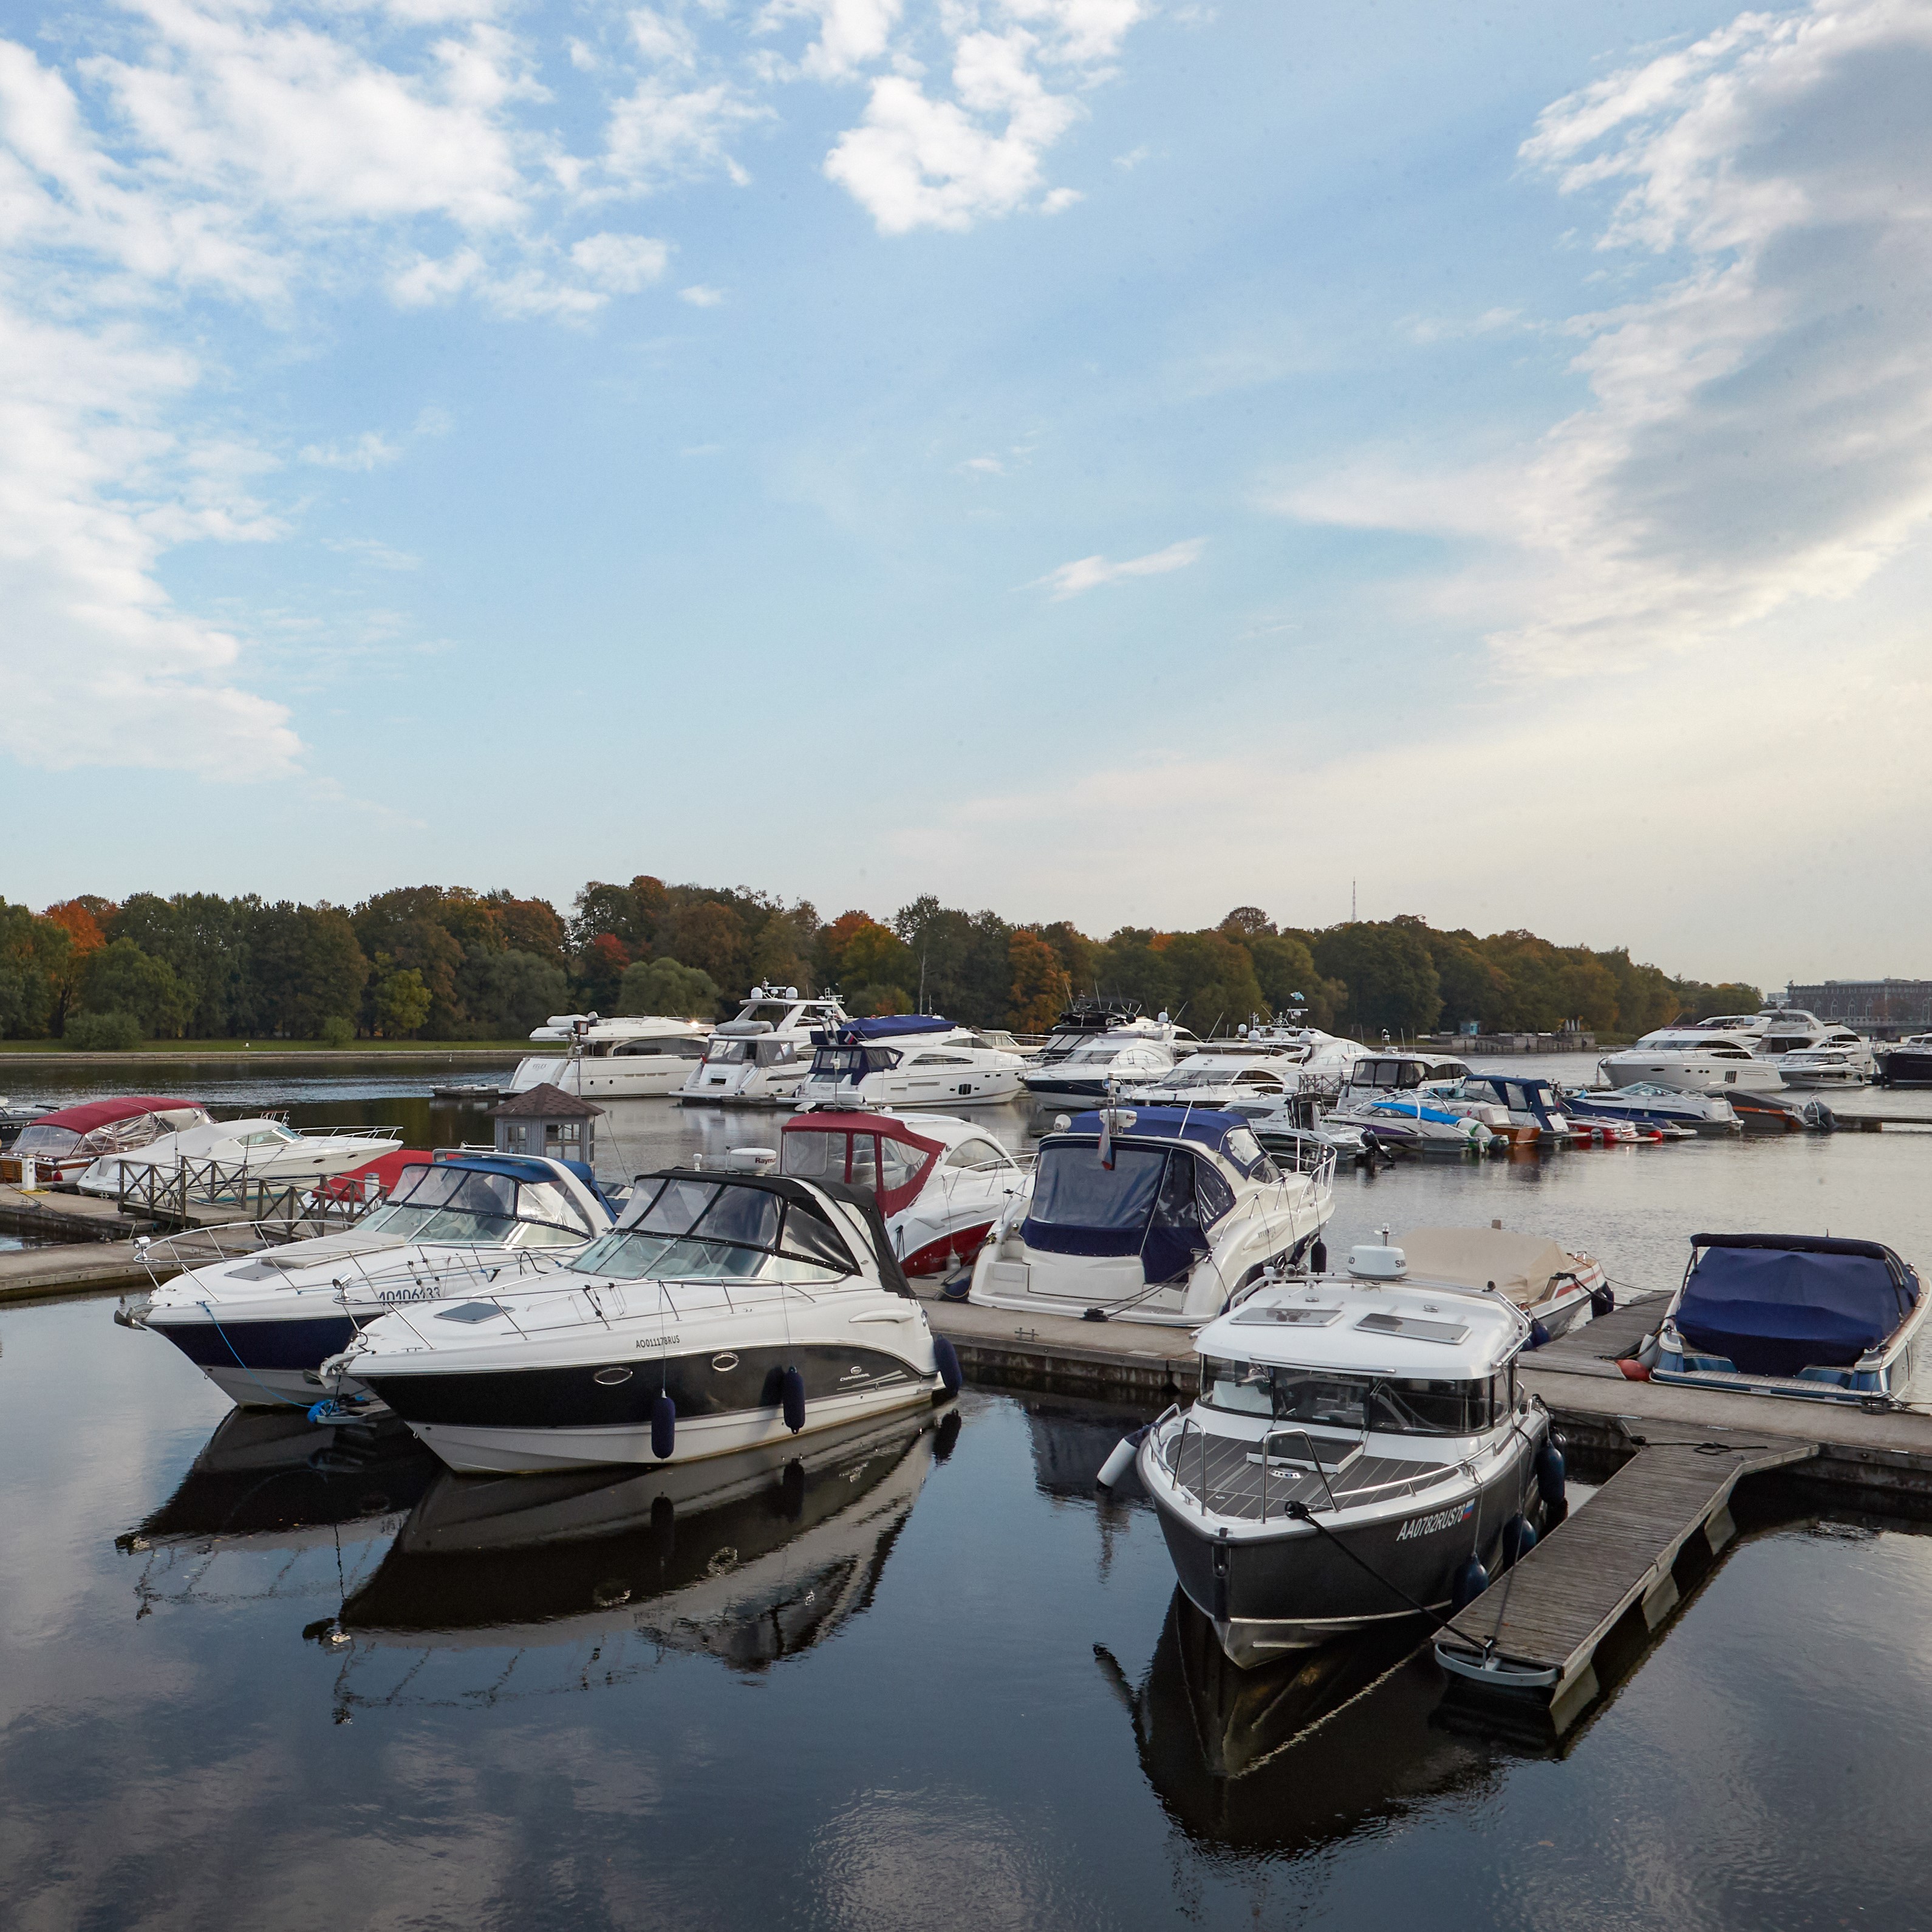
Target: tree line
x,y
446,963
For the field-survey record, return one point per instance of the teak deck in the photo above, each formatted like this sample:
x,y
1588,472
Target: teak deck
x,y
1543,1619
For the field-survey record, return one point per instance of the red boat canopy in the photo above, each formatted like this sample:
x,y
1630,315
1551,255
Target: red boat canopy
x,y
863,1150
386,1171
91,1113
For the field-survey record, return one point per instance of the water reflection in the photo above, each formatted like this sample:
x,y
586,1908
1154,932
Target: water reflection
x,y
268,1484
1294,1756
520,1586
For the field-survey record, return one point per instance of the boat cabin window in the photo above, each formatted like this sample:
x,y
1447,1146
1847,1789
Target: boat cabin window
x,y
1245,1151
684,1229
730,1052
943,1060
852,1063
900,1162
675,1046
975,1154
1383,1405
465,1206
776,1052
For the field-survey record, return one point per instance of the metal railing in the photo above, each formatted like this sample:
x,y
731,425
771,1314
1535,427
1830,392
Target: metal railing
x,y
297,1208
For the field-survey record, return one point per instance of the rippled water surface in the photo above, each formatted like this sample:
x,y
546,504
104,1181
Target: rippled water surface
x,y
252,1675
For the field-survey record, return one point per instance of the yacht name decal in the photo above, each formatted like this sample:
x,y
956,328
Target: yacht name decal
x,y
1427,1525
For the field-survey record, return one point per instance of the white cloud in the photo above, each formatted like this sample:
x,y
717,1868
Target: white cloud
x,y
984,466
700,295
1088,573
1759,431
369,451
622,263
851,33
660,133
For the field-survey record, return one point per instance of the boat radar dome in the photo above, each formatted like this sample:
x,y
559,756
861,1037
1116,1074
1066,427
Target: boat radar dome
x,y
1370,1262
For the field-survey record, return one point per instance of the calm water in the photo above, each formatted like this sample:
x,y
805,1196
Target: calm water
x,y
933,1680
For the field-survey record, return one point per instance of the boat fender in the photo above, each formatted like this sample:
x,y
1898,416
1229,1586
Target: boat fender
x,y
1318,1258
1633,1371
1119,1459
1094,1315
793,1400
1472,1580
1602,1300
959,1288
1549,1473
945,1360
1538,1335
326,1412
664,1428
1518,1540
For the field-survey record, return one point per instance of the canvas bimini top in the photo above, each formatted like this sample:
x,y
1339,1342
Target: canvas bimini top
x,y
1776,1304
885,1026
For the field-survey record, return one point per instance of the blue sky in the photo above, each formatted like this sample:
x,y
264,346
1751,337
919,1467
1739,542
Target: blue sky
x,y
1094,458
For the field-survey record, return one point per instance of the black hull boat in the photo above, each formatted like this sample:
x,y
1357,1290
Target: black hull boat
x,y
1360,1454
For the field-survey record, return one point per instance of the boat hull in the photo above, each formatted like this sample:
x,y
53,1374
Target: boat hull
x,y
1266,1596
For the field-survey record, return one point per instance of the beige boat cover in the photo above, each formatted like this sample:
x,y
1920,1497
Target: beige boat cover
x,y
1520,1265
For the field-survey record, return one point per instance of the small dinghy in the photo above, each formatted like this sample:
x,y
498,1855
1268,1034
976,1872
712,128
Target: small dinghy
x,y
1796,1315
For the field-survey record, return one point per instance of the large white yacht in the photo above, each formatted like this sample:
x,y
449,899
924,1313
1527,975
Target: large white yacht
x,y
632,1057
1224,1072
908,1059
1159,1214
724,1312
760,1058
1122,1060
1698,1060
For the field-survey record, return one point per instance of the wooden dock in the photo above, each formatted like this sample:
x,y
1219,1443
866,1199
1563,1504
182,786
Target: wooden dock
x,y
85,1247
1625,1557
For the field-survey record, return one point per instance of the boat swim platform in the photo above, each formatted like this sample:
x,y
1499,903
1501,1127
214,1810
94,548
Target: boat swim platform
x,y
1614,1569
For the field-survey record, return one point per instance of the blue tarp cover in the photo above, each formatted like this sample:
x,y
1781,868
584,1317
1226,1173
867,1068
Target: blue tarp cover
x,y
1778,1311
890,1026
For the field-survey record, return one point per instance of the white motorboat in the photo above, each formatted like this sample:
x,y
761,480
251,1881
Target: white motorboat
x,y
1102,1067
1361,1446
240,1151
1807,1316
69,1140
1409,1099
908,1059
1323,1057
1224,1072
1558,1288
940,1183
1645,1104
1827,1067
725,1311
640,1058
1533,1108
760,1058
1694,1060
260,1325
1775,1031
1158,1214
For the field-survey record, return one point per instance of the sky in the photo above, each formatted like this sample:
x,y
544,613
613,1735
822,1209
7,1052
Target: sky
x,y
1112,460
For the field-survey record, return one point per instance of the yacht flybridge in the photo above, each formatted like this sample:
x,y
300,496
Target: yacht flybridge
x,y
628,1058
260,1325
940,1183
1158,1214
1359,1447
907,1059
724,1312
760,1058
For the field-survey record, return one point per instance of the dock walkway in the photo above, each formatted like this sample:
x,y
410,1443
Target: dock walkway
x,y
1537,1629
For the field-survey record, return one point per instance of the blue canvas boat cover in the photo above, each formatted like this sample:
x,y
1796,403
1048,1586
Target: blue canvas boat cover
x,y
1208,1125
889,1026
1778,1304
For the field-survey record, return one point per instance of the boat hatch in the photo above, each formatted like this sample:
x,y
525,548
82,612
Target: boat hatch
x,y
1414,1327
1300,1317
468,1311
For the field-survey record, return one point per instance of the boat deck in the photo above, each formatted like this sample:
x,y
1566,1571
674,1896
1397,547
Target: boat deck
x,y
1627,1552
1225,1473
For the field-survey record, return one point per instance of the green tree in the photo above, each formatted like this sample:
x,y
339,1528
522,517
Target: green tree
x,y
402,1002
1285,970
1391,980
664,986
1037,990
1214,983
408,926
34,953
710,936
113,1032
121,978
206,939
304,964
1133,965
507,993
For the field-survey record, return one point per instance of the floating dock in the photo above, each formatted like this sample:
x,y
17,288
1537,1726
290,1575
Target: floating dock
x,y
84,1246
1628,1554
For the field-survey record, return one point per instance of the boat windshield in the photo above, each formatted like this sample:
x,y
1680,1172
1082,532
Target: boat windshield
x,y
50,1142
852,1063
1383,1405
685,1229
468,1207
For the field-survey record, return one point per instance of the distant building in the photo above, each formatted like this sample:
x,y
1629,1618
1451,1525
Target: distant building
x,y
1881,1006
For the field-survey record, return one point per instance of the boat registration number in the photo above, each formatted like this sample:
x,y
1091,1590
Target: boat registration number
x,y
658,1341
1428,1526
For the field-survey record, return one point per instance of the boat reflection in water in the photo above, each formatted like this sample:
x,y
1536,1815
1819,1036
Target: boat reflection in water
x,y
507,1587
271,1504
1294,1755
